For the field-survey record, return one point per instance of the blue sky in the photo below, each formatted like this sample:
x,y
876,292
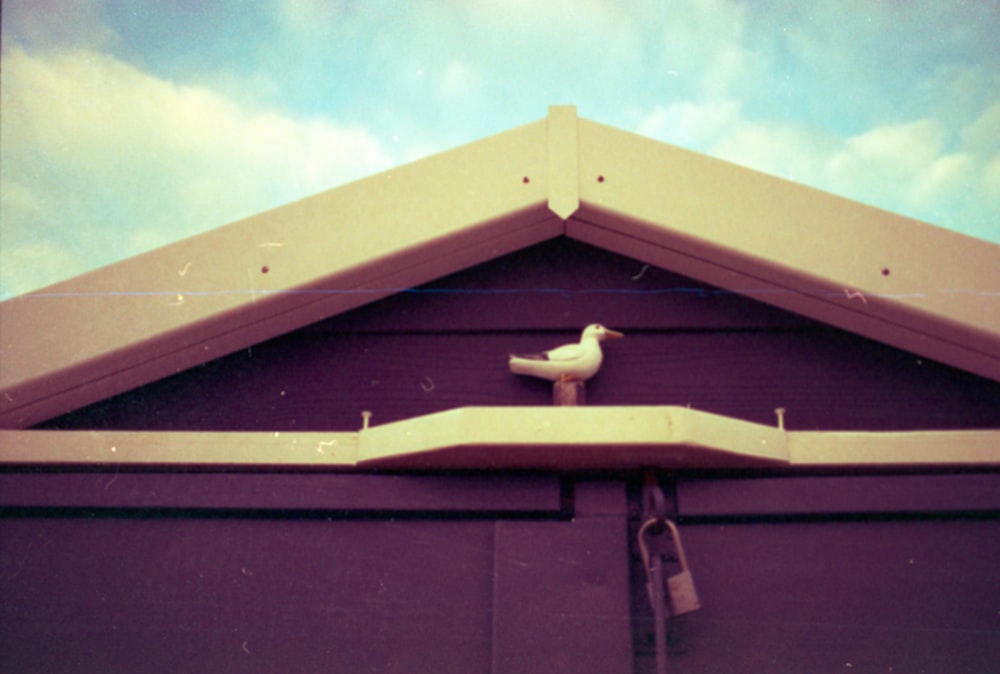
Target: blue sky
x,y
127,124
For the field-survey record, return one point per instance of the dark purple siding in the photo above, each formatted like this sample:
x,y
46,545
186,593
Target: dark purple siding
x,y
445,345
166,594
378,573
164,572
294,571
831,574
874,595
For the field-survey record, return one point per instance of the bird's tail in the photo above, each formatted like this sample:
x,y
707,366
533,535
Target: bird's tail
x,y
519,365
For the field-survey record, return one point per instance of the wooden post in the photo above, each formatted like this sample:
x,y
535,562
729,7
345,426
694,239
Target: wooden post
x,y
569,393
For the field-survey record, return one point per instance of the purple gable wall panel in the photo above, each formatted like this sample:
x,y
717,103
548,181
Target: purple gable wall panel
x,y
446,346
150,591
349,494
825,381
837,596
854,495
561,589
223,595
563,285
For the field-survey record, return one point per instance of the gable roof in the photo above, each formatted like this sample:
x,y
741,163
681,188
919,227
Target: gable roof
x,y
900,281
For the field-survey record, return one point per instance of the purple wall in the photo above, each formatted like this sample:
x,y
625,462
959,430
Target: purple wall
x,y
387,573
445,345
165,572
157,571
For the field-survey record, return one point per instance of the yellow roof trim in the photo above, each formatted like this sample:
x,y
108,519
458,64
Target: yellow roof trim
x,y
504,438
897,280
167,310
894,279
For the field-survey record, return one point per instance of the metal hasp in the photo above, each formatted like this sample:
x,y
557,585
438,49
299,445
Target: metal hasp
x,y
659,543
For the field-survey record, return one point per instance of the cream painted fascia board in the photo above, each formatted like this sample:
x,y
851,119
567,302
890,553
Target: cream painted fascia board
x,y
831,307
178,448
514,438
159,313
894,279
570,438
914,448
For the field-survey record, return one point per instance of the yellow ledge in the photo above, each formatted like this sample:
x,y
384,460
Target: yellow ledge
x,y
499,438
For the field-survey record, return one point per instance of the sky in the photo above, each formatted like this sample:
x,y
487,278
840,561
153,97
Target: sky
x,y
128,124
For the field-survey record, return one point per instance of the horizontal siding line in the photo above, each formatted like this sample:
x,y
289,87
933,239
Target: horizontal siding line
x,y
692,330
835,516
332,514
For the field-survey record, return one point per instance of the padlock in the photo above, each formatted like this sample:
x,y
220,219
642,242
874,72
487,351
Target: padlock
x,y
680,587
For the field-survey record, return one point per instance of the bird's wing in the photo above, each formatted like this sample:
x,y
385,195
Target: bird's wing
x,y
530,356
564,353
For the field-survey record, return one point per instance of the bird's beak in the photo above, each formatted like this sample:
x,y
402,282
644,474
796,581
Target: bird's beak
x,y
612,334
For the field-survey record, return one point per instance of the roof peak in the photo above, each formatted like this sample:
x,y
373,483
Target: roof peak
x,y
854,266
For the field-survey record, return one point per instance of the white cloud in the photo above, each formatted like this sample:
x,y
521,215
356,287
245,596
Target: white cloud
x,y
939,179
702,45
94,148
982,136
460,80
720,129
786,150
931,149
908,168
884,163
991,179
59,24
901,147
694,125
33,265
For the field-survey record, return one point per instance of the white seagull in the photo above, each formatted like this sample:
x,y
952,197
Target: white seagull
x,y
568,362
